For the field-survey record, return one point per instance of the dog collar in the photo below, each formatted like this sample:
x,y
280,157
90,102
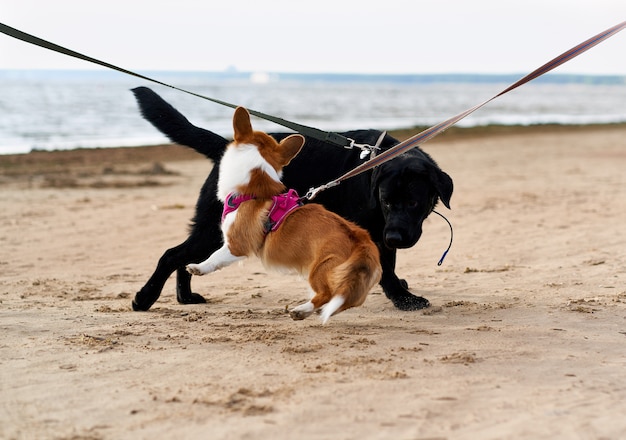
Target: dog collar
x,y
282,205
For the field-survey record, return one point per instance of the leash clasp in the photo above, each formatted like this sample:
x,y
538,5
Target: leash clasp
x,y
311,193
367,149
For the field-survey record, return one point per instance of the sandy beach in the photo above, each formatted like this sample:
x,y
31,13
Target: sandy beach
x,y
525,339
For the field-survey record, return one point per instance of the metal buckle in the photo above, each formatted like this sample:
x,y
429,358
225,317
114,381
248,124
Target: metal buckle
x,y
367,149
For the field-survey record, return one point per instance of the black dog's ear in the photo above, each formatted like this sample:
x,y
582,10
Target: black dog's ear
x,y
442,183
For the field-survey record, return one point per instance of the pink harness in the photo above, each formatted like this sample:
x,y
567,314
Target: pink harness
x,y
282,205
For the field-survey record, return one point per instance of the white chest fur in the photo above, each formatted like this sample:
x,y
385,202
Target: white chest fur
x,y
237,163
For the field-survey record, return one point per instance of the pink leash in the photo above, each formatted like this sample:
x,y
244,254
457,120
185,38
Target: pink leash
x,y
433,131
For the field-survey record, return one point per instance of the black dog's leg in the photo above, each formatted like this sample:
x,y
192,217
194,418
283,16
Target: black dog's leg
x,y
395,288
184,295
173,259
192,250
204,239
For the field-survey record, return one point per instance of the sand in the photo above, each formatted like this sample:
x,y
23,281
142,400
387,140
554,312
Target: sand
x,y
526,336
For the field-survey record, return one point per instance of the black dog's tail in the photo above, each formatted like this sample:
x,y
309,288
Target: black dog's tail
x,y
176,127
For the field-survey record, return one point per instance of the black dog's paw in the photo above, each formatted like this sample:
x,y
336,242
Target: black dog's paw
x,y
191,298
410,302
404,284
138,307
145,298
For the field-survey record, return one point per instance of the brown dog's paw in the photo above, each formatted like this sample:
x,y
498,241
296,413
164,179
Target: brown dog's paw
x,y
302,311
297,316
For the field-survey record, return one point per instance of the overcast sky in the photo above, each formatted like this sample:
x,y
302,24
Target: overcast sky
x,y
390,36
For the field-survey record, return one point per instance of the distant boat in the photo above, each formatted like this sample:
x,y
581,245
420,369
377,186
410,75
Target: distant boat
x,y
260,78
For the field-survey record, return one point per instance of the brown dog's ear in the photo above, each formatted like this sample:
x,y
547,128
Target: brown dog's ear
x,y
291,146
241,124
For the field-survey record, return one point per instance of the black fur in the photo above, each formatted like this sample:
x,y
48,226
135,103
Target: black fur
x,y
391,202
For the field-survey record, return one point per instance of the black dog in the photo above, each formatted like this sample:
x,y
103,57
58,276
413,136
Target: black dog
x,y
391,202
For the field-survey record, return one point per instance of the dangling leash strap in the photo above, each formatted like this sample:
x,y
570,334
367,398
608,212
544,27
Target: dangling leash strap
x,y
433,131
324,136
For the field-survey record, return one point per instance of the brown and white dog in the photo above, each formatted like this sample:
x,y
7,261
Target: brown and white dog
x,y
338,257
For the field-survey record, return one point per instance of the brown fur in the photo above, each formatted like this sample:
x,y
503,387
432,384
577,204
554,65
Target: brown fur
x,y
338,256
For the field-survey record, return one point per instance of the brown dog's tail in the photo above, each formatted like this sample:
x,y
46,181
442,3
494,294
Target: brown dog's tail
x,y
358,274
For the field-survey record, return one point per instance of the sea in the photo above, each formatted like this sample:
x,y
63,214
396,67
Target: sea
x,y
62,109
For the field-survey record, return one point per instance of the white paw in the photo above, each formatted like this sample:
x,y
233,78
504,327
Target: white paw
x,y
302,311
194,269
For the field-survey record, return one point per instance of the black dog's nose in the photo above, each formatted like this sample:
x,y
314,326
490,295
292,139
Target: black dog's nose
x,y
393,239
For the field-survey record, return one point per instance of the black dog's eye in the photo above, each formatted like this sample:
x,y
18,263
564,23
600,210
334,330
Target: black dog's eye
x,y
412,204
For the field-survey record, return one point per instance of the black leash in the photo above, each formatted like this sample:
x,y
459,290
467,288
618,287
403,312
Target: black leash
x,y
324,136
